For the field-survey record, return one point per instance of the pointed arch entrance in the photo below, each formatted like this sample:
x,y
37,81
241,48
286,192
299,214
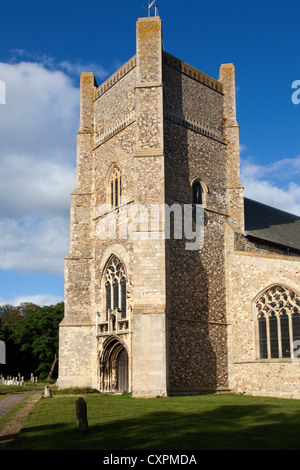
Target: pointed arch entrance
x,y
114,366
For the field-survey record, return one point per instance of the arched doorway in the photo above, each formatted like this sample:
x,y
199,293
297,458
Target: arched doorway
x,y
114,366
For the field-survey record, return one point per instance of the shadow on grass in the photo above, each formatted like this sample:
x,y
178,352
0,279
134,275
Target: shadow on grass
x,y
255,427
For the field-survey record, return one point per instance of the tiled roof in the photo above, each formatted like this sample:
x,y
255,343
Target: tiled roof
x,y
272,225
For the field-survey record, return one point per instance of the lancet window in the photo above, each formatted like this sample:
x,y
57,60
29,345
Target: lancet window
x,y
278,323
197,192
115,186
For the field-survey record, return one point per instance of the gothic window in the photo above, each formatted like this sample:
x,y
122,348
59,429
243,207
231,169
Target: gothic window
x,y
277,322
114,186
115,286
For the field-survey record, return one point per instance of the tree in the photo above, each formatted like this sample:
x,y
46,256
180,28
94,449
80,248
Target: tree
x,y
36,335
10,314
16,361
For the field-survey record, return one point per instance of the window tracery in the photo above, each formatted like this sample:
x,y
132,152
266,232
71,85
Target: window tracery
x,y
115,286
278,322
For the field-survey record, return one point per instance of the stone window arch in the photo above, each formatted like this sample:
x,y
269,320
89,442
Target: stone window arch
x,y
277,315
114,186
199,192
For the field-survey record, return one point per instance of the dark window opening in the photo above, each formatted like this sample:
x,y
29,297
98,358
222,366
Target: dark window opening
x,y
197,193
123,298
108,298
262,327
116,294
273,335
285,335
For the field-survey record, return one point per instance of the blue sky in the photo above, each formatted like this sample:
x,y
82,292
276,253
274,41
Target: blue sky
x,y
44,48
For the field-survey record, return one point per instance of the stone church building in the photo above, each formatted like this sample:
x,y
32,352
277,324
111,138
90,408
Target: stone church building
x,y
147,310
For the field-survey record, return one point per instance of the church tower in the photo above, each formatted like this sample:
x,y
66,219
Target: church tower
x,y
157,182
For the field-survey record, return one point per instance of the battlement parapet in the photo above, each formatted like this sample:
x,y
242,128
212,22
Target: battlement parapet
x,y
192,72
120,73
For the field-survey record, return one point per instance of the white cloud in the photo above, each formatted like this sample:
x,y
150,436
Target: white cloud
x,y
33,244
79,67
40,116
242,148
30,187
273,184
72,68
38,126
38,299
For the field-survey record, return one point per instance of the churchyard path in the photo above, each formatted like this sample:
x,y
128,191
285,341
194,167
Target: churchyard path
x,y
13,427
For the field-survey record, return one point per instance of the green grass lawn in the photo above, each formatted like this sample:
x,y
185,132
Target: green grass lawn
x,y
15,389
209,422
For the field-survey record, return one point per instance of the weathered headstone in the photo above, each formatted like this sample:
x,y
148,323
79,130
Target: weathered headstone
x,y
47,392
2,353
81,415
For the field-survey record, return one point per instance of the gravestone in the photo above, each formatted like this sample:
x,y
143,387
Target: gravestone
x,y
47,392
2,353
81,415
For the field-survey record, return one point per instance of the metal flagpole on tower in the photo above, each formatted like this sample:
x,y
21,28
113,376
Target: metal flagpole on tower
x,y
149,6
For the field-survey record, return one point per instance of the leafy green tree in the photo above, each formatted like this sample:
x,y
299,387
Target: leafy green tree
x,y
16,361
38,335
31,336
10,314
